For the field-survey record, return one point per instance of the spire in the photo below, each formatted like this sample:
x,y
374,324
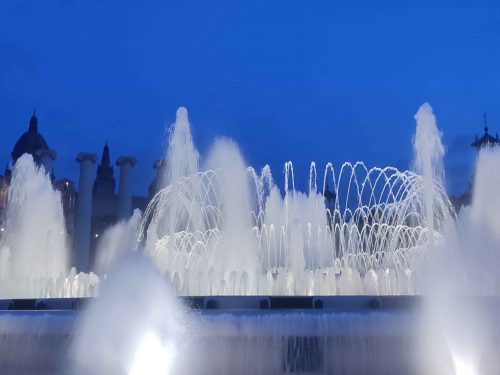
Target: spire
x,y
105,159
104,185
33,123
485,125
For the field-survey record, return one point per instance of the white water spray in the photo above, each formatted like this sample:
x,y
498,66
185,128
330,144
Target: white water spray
x,y
227,230
34,244
136,326
429,153
115,242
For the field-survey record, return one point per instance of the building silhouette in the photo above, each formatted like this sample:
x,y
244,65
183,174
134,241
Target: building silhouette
x,y
485,141
98,203
92,207
32,142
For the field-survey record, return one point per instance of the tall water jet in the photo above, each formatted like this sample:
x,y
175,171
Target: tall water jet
x,y
429,153
236,250
181,157
181,161
35,233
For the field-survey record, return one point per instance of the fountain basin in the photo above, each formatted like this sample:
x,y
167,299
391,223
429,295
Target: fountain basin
x,y
238,334
261,334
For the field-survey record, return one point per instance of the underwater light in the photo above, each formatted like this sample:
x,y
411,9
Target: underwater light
x,y
152,356
463,367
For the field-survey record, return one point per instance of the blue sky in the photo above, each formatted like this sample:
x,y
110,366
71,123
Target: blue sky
x,y
288,80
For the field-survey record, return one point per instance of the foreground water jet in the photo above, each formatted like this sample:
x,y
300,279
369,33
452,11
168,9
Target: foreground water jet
x,y
134,327
462,277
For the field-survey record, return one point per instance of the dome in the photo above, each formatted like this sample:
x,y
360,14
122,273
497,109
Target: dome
x,y
30,142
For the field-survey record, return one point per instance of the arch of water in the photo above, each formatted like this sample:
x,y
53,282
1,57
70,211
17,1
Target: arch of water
x,y
366,241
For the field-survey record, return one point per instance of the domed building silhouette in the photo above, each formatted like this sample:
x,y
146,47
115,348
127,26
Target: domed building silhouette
x,y
33,143
92,207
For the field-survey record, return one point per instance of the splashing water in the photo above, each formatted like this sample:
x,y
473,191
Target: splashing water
x,y
116,241
34,256
463,283
181,157
35,232
224,228
228,230
134,327
33,247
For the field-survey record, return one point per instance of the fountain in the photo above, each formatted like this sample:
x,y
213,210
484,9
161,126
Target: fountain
x,y
137,323
461,308
228,230
116,241
34,243
429,153
34,256
368,271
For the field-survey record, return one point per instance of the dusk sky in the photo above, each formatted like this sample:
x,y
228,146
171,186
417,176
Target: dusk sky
x,y
287,80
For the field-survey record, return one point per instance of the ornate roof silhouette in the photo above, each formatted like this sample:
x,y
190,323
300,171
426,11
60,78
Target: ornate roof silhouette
x,y
30,142
487,140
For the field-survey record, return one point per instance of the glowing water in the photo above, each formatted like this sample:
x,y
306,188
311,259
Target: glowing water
x,y
429,153
34,256
35,234
226,229
134,327
462,276
229,230
181,157
229,343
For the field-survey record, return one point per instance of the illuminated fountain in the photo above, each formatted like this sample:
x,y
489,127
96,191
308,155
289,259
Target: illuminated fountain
x,y
228,230
135,327
218,228
34,255
460,320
